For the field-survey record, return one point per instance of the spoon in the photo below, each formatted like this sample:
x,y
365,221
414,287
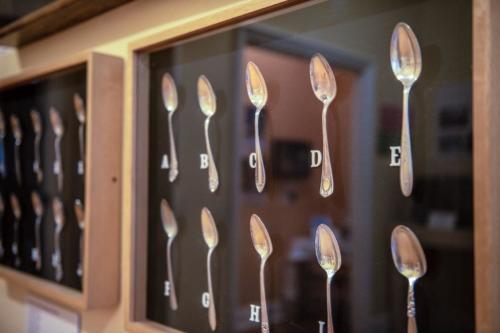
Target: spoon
x,y
262,244
211,238
409,259
257,92
80,217
58,211
36,122
2,147
18,140
170,226
207,101
16,210
37,204
2,210
58,128
80,115
406,63
329,258
325,88
169,94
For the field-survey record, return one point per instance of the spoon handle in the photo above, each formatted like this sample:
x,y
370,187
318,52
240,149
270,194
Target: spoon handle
x,y
17,162
411,312
326,187
213,176
79,270
81,140
329,304
15,243
173,297
211,306
263,302
59,163
174,169
260,172
36,164
37,243
406,168
57,247
2,158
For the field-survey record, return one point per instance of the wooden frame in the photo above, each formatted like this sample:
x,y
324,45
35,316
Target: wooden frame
x,y
102,186
486,158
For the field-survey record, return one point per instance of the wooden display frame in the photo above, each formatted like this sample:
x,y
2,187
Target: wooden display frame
x,y
100,281
486,159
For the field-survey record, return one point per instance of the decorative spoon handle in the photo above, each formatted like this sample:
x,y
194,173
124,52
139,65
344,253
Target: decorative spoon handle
x,y
329,304
406,168
81,140
36,164
327,185
411,312
260,172
79,270
59,163
17,162
57,252
174,169
15,243
211,306
213,176
38,262
263,302
173,297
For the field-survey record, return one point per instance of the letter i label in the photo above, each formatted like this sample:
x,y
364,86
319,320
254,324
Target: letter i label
x,y
164,162
167,288
321,326
254,313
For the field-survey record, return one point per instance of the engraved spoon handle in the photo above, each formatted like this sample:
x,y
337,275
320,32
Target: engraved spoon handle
x,y
81,140
213,176
329,304
173,297
38,222
406,167
211,306
326,187
17,162
57,144
411,312
174,169
263,301
260,172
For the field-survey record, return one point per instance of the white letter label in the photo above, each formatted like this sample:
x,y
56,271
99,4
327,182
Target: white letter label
x,y
203,161
395,155
254,313
252,160
167,288
57,168
321,326
316,158
205,300
164,162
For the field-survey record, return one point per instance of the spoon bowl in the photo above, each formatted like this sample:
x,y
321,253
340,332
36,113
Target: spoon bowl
x,y
79,213
406,57
407,253
16,128
16,207
327,250
169,92
206,96
168,219
36,121
56,121
256,86
322,79
79,108
2,125
37,204
260,237
58,211
209,229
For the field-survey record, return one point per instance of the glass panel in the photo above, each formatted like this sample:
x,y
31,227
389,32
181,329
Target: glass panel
x,y
363,125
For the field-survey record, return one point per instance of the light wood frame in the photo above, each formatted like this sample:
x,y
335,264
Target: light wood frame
x,y
486,71
100,282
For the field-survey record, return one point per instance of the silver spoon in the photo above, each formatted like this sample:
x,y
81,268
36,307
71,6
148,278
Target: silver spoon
x,y
16,210
409,259
36,122
325,88
329,258
169,94
59,220
211,237
170,226
18,140
257,92
37,204
207,101
406,63
80,115
264,247
58,128
2,210
2,147
80,217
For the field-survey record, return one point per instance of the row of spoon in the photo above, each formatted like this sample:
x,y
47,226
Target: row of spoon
x,y
37,127
59,222
406,250
406,63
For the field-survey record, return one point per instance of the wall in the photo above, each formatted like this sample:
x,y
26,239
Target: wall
x,y
108,33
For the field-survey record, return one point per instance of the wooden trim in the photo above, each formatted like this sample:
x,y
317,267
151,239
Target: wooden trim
x,y
486,64
102,185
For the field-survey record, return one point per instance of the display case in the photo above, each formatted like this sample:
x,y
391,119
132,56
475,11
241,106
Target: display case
x,y
363,116
60,167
